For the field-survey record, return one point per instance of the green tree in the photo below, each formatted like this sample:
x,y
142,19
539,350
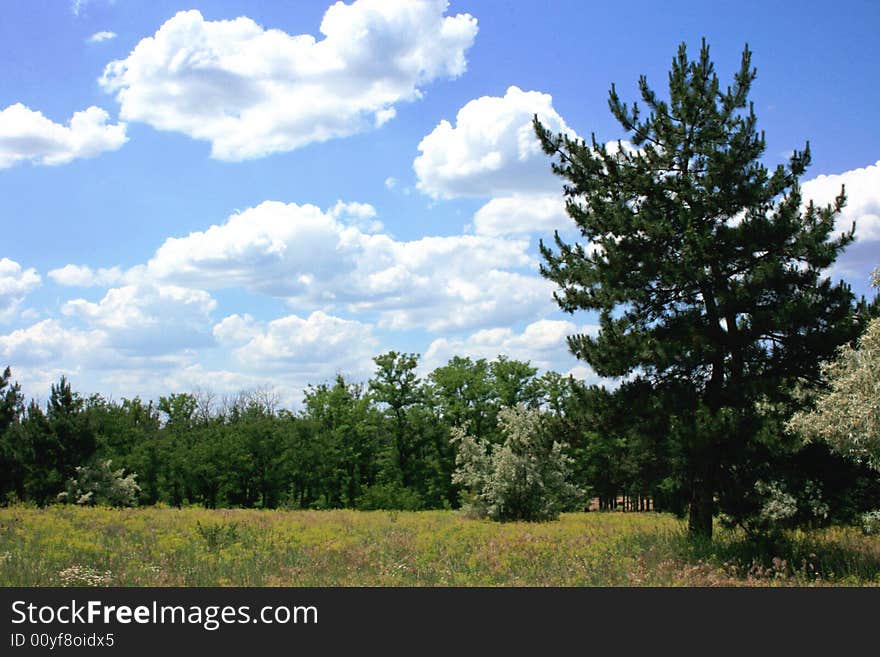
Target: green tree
x,y
396,385
11,411
514,382
342,421
705,268
463,392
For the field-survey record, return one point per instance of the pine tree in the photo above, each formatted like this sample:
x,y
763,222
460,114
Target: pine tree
x,y
705,266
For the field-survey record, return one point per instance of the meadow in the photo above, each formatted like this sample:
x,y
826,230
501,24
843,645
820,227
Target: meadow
x,y
155,546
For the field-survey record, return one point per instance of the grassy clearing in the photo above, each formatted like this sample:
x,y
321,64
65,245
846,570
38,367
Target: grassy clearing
x,y
72,546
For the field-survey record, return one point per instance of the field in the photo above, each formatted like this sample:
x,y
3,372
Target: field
x,y
74,546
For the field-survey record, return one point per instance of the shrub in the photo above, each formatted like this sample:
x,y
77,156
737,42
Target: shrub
x,y
100,484
871,522
389,496
526,477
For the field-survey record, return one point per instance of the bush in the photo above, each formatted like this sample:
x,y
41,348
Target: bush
x,y
389,496
526,477
778,505
100,484
871,522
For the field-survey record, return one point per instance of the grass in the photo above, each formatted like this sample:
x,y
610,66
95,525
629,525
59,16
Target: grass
x,y
75,546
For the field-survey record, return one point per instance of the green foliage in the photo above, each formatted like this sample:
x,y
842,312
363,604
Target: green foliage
x,y
218,535
707,272
101,484
389,496
526,477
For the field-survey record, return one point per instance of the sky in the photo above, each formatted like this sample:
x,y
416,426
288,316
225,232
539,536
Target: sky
x,y
229,195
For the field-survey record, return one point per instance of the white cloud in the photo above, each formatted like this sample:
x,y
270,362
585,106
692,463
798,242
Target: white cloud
x,y
360,215
252,91
77,6
313,258
98,37
46,343
148,319
491,150
863,199
542,343
390,182
236,329
15,284
83,276
522,214
27,135
315,347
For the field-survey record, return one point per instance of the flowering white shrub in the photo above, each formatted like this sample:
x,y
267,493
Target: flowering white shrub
x,y
847,415
100,484
871,522
782,507
526,477
779,504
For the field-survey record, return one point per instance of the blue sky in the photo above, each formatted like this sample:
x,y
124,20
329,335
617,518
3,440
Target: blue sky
x,y
225,195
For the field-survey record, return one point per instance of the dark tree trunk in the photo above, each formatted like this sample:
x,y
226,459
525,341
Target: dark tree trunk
x,y
700,514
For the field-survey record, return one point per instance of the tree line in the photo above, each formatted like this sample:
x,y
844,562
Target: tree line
x,y
384,443
392,442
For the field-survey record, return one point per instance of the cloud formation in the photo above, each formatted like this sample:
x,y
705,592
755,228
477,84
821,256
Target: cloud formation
x,y
148,319
251,91
523,214
316,347
84,276
319,259
541,342
98,37
27,135
862,194
491,150
15,284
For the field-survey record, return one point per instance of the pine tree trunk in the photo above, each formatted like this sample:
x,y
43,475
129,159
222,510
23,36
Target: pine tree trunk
x,y
700,514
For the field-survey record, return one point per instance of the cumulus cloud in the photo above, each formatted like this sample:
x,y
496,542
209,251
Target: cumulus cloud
x,y
542,343
316,347
491,150
27,135
98,37
147,318
236,329
15,284
40,353
521,214
863,199
251,91
84,276
862,207
46,343
321,258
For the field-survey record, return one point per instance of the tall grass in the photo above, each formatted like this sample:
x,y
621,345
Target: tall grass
x,y
75,546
